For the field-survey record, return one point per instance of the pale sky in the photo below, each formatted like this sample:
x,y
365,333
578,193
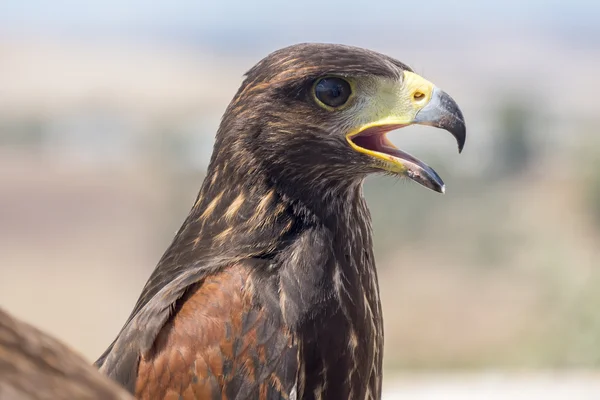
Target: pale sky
x,y
144,15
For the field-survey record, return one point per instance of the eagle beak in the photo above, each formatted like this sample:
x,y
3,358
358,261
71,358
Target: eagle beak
x,y
415,101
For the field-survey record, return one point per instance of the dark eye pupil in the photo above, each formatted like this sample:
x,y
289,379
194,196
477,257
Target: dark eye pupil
x,y
333,92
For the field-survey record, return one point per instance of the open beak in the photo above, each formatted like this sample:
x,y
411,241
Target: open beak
x,y
414,101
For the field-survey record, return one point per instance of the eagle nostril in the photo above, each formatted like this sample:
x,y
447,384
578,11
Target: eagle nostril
x,y
418,97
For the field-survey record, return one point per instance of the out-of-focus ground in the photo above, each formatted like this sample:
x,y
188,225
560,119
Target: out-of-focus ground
x,y
103,145
494,386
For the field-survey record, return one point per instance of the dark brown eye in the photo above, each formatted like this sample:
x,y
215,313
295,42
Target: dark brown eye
x,y
333,92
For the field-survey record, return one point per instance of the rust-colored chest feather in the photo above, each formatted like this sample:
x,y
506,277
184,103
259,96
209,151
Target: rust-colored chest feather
x,y
220,344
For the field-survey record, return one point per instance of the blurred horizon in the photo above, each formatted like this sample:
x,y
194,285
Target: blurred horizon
x,y
108,112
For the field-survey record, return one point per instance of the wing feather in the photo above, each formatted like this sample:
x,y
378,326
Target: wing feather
x,y
219,340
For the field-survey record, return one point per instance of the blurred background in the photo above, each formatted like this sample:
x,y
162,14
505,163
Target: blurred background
x,y
108,111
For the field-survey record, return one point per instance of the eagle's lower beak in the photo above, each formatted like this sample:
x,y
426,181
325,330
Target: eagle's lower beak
x,y
414,101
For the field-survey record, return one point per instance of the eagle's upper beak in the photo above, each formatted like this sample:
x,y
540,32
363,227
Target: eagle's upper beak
x,y
414,100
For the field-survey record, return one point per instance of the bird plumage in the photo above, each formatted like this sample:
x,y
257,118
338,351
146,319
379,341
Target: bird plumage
x,y
269,289
35,366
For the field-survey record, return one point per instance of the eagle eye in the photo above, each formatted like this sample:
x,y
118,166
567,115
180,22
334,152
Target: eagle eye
x,y
332,91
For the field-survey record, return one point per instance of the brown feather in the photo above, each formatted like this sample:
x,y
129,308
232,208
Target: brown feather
x,y
216,343
35,366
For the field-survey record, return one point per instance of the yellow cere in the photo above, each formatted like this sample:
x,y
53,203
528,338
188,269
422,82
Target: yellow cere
x,y
393,104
